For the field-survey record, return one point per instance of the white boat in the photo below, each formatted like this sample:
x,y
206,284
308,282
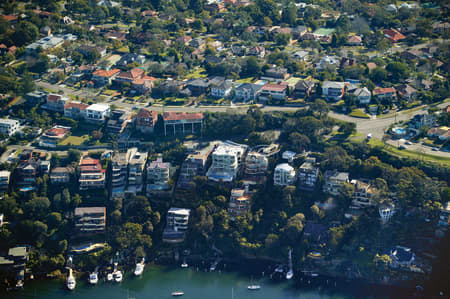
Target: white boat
x,y
177,293
213,266
279,269
93,278
109,277
314,274
289,274
118,276
139,268
254,287
71,283
184,265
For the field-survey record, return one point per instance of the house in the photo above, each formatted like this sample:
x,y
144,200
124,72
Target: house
x,y
4,179
184,39
385,93
386,210
118,121
327,62
363,194
276,73
129,58
116,35
354,40
177,222
48,42
119,173
158,175
52,136
129,76
16,258
300,55
194,165
258,51
61,175
75,110
346,62
222,90
247,92
197,43
87,50
401,256
145,121
393,35
226,162
92,175
9,126
273,91
308,174
421,120
178,120
97,112
412,55
334,180
255,164
36,97
363,95
371,65
142,85
90,220
315,232
238,50
27,172
136,166
444,217
170,87
284,175
406,92
45,31
104,77
443,132
298,31
303,88
239,202
333,90
197,86
55,102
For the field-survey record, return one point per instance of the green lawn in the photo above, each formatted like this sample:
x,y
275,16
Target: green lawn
x,y
74,140
245,80
359,113
198,73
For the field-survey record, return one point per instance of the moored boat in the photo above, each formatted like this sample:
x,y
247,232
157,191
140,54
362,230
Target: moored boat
x,y
118,276
139,268
93,278
71,283
177,293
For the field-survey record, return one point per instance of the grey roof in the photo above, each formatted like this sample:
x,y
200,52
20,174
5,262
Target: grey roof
x,y
198,83
333,84
253,87
304,84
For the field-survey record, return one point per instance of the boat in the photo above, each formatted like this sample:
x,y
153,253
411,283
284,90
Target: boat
x,y
314,274
139,268
289,274
184,264
254,287
279,269
19,284
118,276
213,266
93,278
109,277
177,293
71,283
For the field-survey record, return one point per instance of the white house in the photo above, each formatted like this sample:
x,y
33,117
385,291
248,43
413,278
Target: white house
x,y
9,126
284,175
221,90
97,112
363,95
226,162
333,90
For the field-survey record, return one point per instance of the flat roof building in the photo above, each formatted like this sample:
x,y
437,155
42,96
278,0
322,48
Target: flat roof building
x,y
226,162
9,126
177,221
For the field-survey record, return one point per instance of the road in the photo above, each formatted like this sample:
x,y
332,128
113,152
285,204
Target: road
x,y
377,127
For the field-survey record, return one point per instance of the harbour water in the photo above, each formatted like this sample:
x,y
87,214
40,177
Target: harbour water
x,y
158,282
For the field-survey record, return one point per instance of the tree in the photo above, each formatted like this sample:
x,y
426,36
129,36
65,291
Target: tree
x,y
97,134
293,229
289,14
382,261
378,74
24,33
348,128
282,39
37,208
398,70
251,67
299,142
320,106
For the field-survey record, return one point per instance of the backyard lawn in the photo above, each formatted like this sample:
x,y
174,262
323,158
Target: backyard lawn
x,y
74,140
359,113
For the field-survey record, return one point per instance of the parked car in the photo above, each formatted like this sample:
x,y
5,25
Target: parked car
x,y
408,142
435,149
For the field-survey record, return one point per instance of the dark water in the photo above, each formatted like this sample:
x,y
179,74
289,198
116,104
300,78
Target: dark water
x,y
158,282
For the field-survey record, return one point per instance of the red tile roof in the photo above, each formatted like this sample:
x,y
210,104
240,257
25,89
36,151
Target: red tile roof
x,y
393,35
105,73
144,113
53,98
378,91
181,116
81,106
9,18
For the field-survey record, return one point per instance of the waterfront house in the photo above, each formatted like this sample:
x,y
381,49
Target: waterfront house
x,y
136,166
194,165
119,173
177,222
4,180
90,220
239,202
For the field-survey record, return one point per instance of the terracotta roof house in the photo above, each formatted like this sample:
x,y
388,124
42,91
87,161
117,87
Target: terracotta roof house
x,y
182,122
274,91
149,13
371,65
104,77
145,120
384,93
257,51
92,175
75,110
354,40
52,136
393,35
129,76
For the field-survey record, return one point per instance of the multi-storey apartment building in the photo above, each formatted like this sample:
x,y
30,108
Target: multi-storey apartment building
x,y
363,194
334,180
177,225
90,220
4,180
61,175
136,166
194,165
239,202
97,112
308,174
255,164
226,162
9,126
284,175
119,173
92,175
158,175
